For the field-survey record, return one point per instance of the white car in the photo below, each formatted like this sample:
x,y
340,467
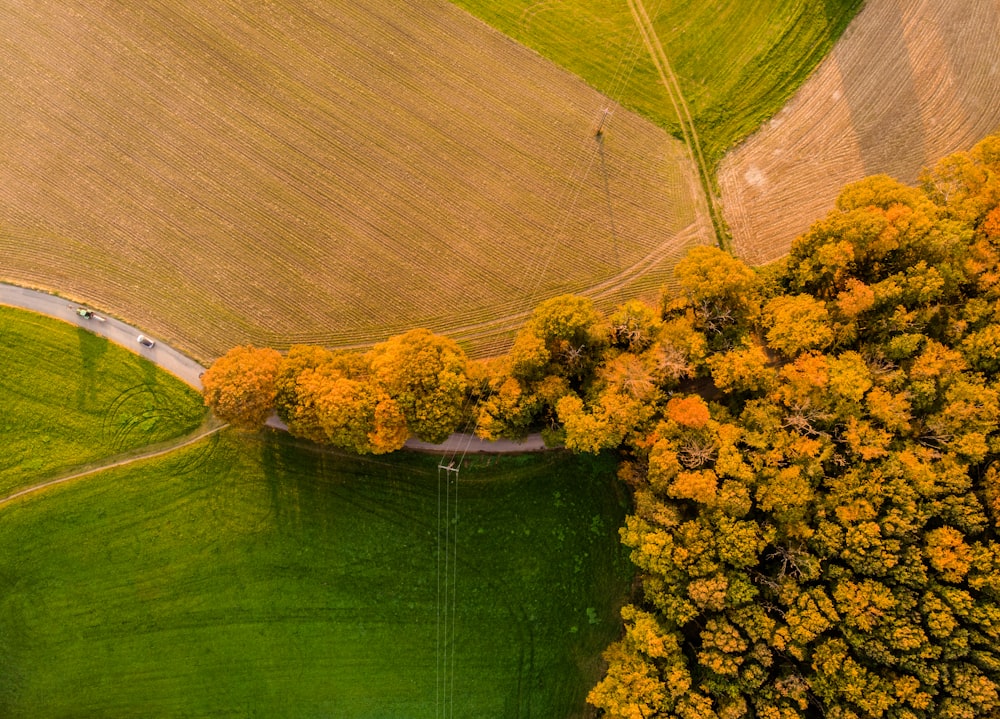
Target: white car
x,y
145,341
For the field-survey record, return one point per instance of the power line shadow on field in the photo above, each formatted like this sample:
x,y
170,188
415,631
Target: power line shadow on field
x,y
607,199
464,581
315,490
470,578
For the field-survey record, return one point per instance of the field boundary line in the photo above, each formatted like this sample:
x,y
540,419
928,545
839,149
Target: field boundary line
x,y
684,118
625,276
113,465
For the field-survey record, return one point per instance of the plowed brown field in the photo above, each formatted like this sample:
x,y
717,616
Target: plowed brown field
x,y
908,82
319,170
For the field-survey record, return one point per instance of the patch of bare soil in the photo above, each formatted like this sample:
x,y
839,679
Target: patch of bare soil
x,y
909,81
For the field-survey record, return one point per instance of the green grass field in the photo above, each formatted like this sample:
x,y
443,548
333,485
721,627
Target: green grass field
x,y
251,577
738,61
70,398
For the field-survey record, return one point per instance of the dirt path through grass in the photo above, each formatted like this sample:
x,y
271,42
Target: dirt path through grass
x,y
673,88
191,439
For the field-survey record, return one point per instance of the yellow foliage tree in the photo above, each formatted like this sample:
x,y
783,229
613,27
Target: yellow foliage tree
x,y
298,359
605,424
424,374
948,553
744,369
797,323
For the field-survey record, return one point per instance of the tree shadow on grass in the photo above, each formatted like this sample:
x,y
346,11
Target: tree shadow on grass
x,y
379,518
92,350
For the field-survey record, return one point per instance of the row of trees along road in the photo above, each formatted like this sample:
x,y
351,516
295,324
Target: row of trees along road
x,y
812,446
412,384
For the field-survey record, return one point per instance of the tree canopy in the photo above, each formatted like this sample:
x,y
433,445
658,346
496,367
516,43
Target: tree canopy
x,y
411,385
820,539
240,386
424,375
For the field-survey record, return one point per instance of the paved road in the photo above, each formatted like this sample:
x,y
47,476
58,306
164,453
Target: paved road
x,y
190,371
118,332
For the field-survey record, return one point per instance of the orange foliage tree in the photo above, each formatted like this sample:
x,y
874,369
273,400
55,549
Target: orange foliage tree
x,y
240,385
821,538
813,447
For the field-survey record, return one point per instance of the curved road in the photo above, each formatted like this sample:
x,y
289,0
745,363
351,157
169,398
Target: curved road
x,y
117,331
189,371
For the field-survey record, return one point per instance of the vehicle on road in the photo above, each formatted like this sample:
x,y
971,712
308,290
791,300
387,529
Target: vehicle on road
x,y
86,314
145,341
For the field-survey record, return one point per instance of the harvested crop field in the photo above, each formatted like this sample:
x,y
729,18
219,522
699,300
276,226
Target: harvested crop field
x,y
323,172
908,83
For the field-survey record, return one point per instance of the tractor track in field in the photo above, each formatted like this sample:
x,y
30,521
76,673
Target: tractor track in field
x,y
630,275
908,83
670,83
417,153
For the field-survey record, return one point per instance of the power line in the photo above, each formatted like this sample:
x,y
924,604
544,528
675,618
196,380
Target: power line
x,y
447,591
448,468
437,651
454,597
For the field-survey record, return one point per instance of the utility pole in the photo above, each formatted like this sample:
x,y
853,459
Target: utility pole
x,y
600,125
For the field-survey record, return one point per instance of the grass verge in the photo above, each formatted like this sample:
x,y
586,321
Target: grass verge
x,y
70,398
